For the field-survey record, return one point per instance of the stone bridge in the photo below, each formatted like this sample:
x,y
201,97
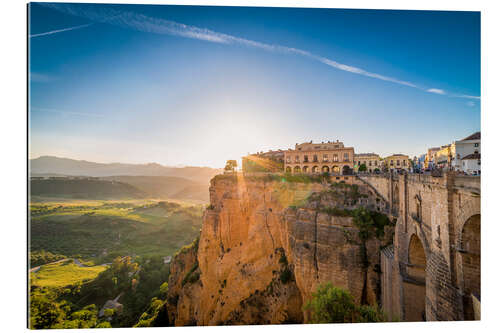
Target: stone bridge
x,y
432,272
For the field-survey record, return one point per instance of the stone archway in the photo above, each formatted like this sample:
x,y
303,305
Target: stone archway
x,y
305,169
335,169
315,169
325,168
296,169
346,170
470,250
288,170
414,284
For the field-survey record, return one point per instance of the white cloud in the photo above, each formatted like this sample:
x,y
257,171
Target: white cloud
x,y
471,103
467,96
436,91
65,112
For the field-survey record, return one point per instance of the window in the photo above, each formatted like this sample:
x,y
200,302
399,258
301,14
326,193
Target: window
x,y
370,163
315,158
398,162
346,156
376,163
404,162
325,158
476,145
306,158
288,159
392,162
297,159
335,158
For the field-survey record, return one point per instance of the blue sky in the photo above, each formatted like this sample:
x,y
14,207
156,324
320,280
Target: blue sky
x,y
188,85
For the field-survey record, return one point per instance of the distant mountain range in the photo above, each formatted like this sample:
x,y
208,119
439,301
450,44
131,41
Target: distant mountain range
x,y
69,167
149,180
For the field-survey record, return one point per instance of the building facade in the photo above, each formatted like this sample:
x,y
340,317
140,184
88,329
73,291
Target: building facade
x,y
397,162
430,158
309,157
471,145
471,164
371,161
444,156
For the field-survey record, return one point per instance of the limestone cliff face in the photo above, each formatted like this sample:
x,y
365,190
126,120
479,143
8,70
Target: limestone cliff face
x,y
260,258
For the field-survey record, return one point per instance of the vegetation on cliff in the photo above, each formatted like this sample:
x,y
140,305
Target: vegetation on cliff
x,y
77,305
330,304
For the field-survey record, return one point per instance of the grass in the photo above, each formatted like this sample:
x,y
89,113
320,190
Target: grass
x,y
102,230
64,274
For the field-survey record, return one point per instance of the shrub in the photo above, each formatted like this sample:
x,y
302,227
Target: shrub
x,y
286,275
330,304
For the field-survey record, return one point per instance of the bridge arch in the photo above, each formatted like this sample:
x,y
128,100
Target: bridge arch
x,y
470,252
415,283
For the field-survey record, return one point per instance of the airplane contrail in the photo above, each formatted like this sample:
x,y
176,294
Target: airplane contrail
x,y
61,30
140,22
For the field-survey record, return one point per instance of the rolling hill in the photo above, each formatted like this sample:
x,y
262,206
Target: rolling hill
x,y
85,189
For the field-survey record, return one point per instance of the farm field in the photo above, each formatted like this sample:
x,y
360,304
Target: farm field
x,y
103,230
64,273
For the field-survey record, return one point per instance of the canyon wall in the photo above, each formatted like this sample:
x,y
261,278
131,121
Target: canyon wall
x,y
266,243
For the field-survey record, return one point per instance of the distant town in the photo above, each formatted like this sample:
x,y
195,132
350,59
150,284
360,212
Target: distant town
x,y
462,156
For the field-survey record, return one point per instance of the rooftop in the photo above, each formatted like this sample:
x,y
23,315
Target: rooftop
x,y
475,136
475,156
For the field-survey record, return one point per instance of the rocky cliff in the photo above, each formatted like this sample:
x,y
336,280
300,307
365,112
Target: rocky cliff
x,y
267,242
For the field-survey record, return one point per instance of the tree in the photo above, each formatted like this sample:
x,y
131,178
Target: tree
x,y
362,168
164,288
230,165
330,304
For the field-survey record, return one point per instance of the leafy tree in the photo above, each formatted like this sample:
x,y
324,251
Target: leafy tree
x,y
164,288
230,165
362,168
44,313
330,304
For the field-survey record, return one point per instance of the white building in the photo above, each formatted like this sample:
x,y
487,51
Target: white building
x,y
471,164
462,150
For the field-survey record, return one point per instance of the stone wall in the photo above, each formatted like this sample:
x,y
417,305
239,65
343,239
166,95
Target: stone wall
x,y
442,215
